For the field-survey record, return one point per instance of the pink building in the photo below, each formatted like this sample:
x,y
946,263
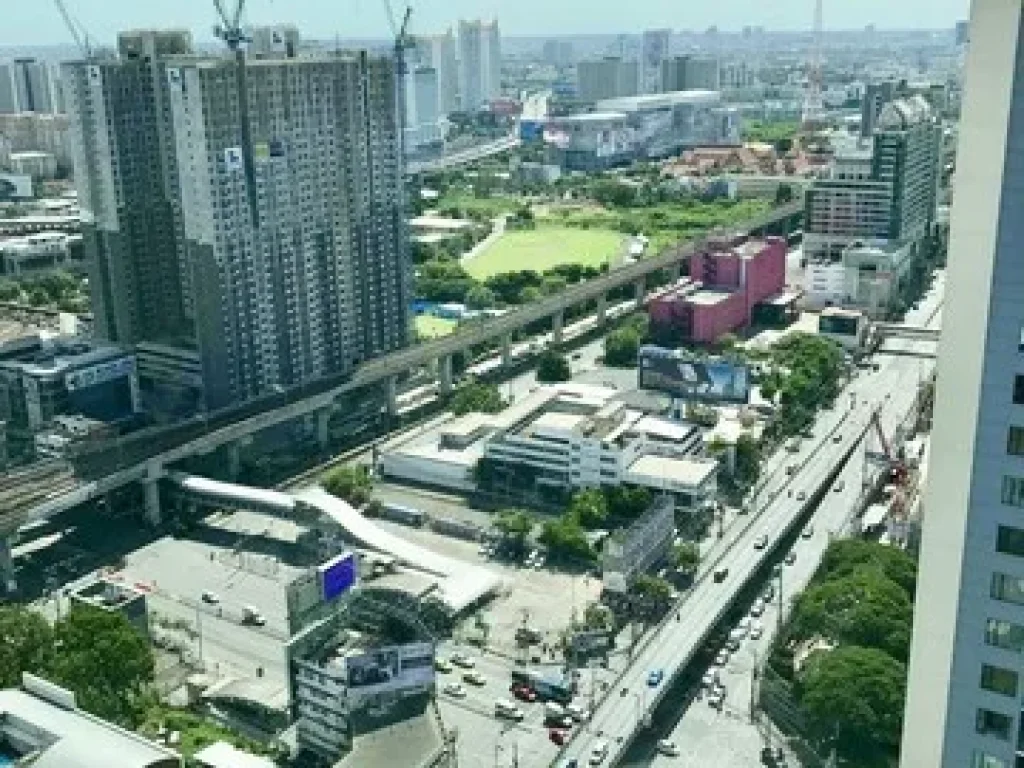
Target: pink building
x,y
733,275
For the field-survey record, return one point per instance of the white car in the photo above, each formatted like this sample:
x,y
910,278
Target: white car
x,y
667,747
455,690
756,630
211,597
801,495
722,658
710,678
717,699
757,608
473,677
462,660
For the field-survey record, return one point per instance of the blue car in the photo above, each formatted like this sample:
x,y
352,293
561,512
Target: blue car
x,y
654,677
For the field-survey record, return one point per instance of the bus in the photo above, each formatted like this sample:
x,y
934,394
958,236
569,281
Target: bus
x,y
548,688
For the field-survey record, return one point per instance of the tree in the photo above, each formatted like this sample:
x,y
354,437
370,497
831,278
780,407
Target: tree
x,y
621,348
9,291
783,194
597,616
845,556
686,557
566,540
552,367
652,589
480,297
626,502
105,661
27,644
588,508
855,695
748,460
353,484
476,397
864,608
515,526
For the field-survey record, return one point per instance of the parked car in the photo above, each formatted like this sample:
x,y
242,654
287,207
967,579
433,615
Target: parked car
x,y
716,700
761,542
757,608
508,709
473,677
769,593
722,658
524,693
791,557
756,630
654,677
462,660
720,575
807,532
838,487
211,597
801,495
667,747
440,665
455,690
711,677
558,736
837,437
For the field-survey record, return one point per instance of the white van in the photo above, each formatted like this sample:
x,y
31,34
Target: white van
x,y
599,753
577,712
507,709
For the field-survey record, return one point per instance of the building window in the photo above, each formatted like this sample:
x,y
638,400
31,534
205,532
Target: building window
x,y
1009,589
989,723
1013,491
1010,541
1018,390
1015,441
999,680
985,760
1004,634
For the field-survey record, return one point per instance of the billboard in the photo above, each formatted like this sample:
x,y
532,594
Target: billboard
x,y
338,575
388,670
682,374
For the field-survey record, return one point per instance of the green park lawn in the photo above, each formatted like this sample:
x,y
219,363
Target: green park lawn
x,y
545,247
430,327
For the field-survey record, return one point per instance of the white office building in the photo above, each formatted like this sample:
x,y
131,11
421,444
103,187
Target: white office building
x,y
423,124
438,53
479,63
654,49
966,675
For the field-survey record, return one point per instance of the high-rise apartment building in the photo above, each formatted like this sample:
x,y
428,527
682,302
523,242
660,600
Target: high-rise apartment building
x,y
966,675
261,244
438,53
479,63
689,73
29,85
654,48
607,78
422,121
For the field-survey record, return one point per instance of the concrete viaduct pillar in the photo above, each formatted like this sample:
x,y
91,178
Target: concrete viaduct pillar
x,y
323,427
444,374
675,272
391,387
557,323
639,292
10,583
506,350
602,308
151,491
233,454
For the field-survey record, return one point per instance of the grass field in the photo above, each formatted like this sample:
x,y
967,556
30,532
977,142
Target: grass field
x,y
544,247
430,327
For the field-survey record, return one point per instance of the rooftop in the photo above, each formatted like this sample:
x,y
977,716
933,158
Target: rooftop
x,y
592,117
708,297
660,100
687,472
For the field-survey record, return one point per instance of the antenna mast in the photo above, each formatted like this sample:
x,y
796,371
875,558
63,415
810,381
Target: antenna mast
x,y
814,108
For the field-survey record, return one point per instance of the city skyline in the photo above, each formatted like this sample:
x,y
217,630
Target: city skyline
x,y
29,25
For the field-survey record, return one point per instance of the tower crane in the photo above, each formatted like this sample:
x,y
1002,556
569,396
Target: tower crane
x,y
403,42
78,33
230,31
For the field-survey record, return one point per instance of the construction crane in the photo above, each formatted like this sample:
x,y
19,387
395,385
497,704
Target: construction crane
x,y
78,33
230,31
403,41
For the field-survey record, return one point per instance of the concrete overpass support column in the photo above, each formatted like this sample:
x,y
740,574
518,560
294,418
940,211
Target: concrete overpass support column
x,y
602,308
10,583
444,374
323,427
234,459
151,510
506,350
639,292
391,386
675,272
557,322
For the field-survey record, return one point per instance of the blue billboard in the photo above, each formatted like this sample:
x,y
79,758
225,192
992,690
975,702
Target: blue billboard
x,y
338,576
682,374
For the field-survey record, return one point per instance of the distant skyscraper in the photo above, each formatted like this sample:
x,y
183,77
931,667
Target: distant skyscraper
x,y
557,52
28,85
422,121
876,96
687,73
966,675
963,32
257,267
654,49
479,63
606,78
438,52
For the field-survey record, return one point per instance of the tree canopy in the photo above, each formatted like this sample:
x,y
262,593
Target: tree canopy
x,y
476,397
626,503
855,695
686,557
552,367
353,484
566,540
622,345
589,508
515,525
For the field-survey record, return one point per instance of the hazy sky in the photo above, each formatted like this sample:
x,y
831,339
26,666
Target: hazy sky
x,y
24,22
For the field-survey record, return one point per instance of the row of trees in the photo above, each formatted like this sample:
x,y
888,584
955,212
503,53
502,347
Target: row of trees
x,y
447,280
56,290
351,483
804,375
860,603
474,396
98,655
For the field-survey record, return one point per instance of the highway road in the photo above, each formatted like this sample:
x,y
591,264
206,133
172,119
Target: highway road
x,y
893,389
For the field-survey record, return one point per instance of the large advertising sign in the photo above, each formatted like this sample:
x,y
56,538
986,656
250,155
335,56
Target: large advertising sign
x,y
388,670
338,576
681,374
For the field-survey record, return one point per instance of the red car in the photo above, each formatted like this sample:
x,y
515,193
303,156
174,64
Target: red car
x,y
558,736
524,693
